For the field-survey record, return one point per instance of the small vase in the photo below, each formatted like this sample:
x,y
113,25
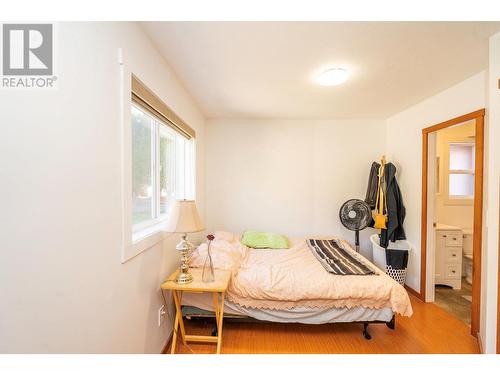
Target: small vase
x,y
208,275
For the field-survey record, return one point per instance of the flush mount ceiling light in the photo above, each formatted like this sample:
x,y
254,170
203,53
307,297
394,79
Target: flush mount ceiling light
x,y
333,77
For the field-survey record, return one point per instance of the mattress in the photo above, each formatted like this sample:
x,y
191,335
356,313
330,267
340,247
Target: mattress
x,y
293,280
299,314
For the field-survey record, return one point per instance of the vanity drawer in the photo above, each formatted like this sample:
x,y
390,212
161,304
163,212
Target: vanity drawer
x,y
453,254
453,271
453,239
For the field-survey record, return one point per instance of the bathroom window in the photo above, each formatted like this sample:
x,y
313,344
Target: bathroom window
x,y
461,170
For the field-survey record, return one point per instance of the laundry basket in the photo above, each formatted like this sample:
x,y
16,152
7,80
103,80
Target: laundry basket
x,y
397,255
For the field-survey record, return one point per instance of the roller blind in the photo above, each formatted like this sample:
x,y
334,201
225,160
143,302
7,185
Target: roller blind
x,y
148,100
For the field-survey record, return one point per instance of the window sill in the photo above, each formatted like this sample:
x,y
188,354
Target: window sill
x,y
143,240
143,234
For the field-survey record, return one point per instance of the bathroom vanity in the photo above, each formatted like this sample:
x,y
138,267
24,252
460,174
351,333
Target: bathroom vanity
x,y
448,265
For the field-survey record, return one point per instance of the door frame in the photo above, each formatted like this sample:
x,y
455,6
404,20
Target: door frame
x,y
478,116
498,290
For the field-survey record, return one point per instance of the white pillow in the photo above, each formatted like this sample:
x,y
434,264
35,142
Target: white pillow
x,y
225,255
224,236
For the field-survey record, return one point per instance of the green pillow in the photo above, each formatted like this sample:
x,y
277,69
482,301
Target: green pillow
x,y
262,240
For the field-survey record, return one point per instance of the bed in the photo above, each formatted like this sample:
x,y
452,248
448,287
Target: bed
x,y
291,285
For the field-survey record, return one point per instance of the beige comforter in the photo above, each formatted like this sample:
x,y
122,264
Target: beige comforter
x,y
282,279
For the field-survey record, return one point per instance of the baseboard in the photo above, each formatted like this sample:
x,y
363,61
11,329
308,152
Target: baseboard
x,y
414,292
167,343
480,342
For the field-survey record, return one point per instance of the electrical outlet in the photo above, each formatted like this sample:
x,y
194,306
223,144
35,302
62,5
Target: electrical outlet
x,y
161,315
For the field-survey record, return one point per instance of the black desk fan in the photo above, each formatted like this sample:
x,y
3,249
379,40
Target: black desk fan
x,y
355,215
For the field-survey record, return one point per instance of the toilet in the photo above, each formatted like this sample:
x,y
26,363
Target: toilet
x,y
467,255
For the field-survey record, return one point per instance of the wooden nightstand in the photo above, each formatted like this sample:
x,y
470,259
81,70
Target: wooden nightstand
x,y
218,287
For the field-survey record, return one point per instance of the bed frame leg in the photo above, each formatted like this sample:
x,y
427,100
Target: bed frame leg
x,y
366,334
392,323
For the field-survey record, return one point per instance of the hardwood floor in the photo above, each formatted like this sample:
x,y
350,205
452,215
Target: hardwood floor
x,y
430,330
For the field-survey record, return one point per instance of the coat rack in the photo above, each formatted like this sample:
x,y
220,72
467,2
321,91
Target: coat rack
x,y
383,162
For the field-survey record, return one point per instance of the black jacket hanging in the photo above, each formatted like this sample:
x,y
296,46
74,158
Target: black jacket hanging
x,y
371,192
396,211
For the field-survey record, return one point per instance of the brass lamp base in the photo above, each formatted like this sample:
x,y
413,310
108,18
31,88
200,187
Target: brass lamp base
x,y
184,278
185,248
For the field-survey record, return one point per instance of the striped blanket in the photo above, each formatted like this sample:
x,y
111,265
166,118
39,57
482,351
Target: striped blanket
x,y
336,259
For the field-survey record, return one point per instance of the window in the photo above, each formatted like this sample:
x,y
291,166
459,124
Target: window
x,y
162,168
461,170
142,166
158,157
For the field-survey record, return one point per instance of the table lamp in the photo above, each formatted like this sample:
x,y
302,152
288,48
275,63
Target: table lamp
x,y
184,219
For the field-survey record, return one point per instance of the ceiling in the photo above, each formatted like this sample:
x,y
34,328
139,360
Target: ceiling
x,y
268,69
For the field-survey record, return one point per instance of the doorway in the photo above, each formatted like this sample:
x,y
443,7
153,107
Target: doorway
x,y
452,191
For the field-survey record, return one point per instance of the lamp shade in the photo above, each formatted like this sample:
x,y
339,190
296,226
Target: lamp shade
x,y
184,218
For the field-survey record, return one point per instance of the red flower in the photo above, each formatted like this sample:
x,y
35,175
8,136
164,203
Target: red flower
x,y
211,237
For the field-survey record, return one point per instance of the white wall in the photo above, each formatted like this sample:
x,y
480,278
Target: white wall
x,y
64,288
404,146
402,131
288,176
489,275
